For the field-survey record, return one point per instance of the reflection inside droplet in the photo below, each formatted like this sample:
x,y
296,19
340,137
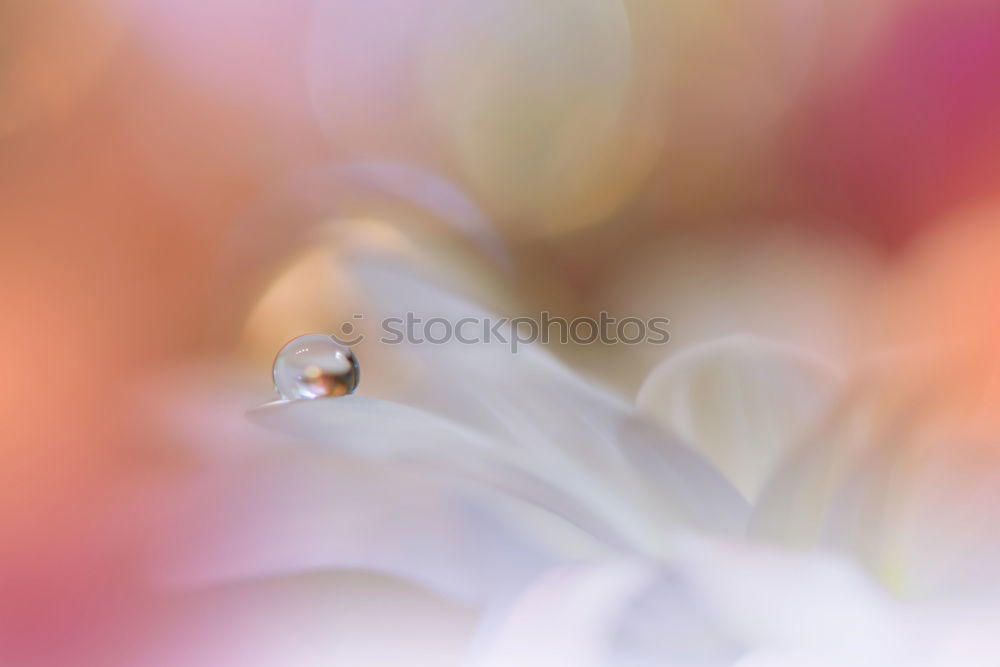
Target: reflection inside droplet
x,y
315,366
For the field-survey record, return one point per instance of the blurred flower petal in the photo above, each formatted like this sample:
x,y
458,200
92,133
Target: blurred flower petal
x,y
390,432
566,617
785,286
768,597
316,620
743,402
532,95
363,82
566,426
680,479
896,478
709,605
281,515
260,504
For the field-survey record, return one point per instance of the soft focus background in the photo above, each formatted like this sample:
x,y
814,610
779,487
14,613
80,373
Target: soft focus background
x,y
175,176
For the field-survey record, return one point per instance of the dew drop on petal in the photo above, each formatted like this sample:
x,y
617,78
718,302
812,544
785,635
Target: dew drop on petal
x,y
315,366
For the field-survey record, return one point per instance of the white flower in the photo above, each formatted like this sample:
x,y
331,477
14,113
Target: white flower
x,y
751,511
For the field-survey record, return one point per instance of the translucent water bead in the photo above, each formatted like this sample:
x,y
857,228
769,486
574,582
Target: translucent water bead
x,y
315,366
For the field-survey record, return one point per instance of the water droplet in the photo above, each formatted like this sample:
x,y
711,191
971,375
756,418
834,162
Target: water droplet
x,y
315,366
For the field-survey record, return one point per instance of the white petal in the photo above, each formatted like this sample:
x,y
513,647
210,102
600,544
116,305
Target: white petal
x,y
625,614
793,601
684,489
708,606
286,515
742,401
567,617
394,433
779,658
720,604
575,434
253,502
893,479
